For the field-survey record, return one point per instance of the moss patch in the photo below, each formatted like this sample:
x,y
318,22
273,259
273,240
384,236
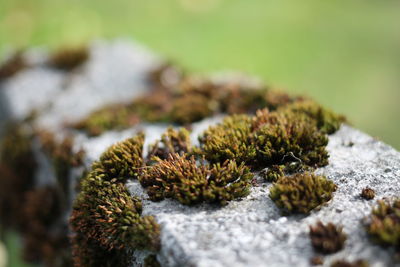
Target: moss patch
x,y
327,238
106,220
384,224
67,59
301,192
12,65
191,182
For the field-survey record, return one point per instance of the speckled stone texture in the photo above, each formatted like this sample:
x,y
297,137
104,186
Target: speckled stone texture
x,y
246,232
252,231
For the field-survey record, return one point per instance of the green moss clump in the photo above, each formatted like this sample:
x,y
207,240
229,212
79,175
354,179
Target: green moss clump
x,y
242,100
384,224
172,141
12,65
281,138
229,140
114,117
326,120
302,192
106,219
190,182
123,160
68,59
327,238
269,138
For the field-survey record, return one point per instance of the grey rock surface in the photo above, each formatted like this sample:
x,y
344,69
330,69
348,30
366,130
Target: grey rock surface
x,y
247,232
252,231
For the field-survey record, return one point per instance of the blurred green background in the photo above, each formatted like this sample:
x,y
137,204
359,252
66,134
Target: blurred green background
x,y
345,54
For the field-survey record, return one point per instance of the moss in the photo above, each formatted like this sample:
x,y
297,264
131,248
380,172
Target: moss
x,y
274,172
105,217
151,261
114,117
68,59
327,238
172,141
326,120
302,192
344,263
241,100
367,193
384,224
191,108
229,140
12,65
17,164
191,182
284,137
43,210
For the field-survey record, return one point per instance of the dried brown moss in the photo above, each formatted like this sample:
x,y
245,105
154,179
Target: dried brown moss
x,y
68,59
42,210
63,159
384,224
114,117
191,182
368,193
171,142
151,261
302,192
12,65
327,238
106,219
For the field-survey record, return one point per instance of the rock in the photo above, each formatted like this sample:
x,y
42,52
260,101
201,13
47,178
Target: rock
x,y
247,232
252,231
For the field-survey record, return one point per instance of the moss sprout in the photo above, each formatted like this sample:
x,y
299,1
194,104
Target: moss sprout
x,y
326,120
281,138
172,141
384,224
367,193
344,263
229,140
302,192
241,100
327,238
190,182
12,65
105,216
114,117
68,59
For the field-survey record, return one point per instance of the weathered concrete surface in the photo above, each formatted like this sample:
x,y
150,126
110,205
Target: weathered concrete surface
x,y
247,232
